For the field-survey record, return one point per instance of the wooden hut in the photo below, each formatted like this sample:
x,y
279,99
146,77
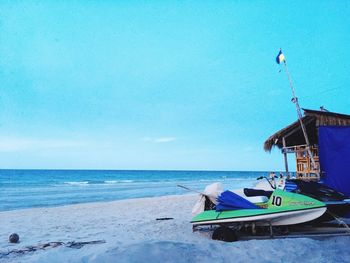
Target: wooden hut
x,y
291,140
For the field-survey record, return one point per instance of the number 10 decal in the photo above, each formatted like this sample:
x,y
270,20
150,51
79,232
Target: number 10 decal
x,y
276,200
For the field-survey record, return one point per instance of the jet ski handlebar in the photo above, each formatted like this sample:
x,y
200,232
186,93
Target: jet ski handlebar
x,y
268,180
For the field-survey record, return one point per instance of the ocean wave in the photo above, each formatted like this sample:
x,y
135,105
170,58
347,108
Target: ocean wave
x,y
97,182
77,183
118,181
226,179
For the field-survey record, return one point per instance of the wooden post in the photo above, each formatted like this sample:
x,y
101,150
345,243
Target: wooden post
x,y
285,156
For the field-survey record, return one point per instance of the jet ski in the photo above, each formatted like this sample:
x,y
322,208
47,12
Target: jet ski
x,y
338,204
283,208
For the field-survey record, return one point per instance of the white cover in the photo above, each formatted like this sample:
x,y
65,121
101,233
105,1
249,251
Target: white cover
x,y
212,191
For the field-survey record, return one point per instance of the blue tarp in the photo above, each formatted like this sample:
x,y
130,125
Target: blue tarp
x,y
334,153
231,201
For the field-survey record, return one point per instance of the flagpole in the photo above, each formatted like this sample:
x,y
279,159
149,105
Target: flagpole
x,y
295,101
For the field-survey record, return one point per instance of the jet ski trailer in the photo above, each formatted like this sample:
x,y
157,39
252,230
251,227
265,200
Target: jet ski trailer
x,y
230,233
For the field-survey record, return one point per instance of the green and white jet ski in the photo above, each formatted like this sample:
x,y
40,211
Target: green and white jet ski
x,y
283,208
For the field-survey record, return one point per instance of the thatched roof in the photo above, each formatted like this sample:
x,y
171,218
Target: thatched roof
x,y
312,119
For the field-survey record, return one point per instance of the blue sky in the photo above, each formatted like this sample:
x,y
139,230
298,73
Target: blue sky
x,y
163,84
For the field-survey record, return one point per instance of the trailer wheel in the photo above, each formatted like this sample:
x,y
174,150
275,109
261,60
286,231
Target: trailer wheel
x,y
223,233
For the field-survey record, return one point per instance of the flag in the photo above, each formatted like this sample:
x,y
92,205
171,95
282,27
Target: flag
x,y
280,57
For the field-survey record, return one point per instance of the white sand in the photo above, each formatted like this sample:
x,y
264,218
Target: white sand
x,y
133,234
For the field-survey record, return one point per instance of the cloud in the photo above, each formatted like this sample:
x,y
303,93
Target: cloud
x,y
159,140
164,139
9,144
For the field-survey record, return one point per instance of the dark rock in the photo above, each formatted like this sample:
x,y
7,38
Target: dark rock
x,y
14,238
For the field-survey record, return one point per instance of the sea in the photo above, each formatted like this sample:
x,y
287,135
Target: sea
x,y
21,189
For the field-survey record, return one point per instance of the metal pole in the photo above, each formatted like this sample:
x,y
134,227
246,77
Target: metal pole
x,y
295,101
285,156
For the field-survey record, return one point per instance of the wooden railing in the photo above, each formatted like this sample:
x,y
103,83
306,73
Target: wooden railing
x,y
305,169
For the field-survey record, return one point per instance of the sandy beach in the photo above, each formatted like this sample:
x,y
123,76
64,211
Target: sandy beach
x,y
132,234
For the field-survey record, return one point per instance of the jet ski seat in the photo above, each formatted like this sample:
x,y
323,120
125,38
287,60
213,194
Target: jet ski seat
x,y
256,192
